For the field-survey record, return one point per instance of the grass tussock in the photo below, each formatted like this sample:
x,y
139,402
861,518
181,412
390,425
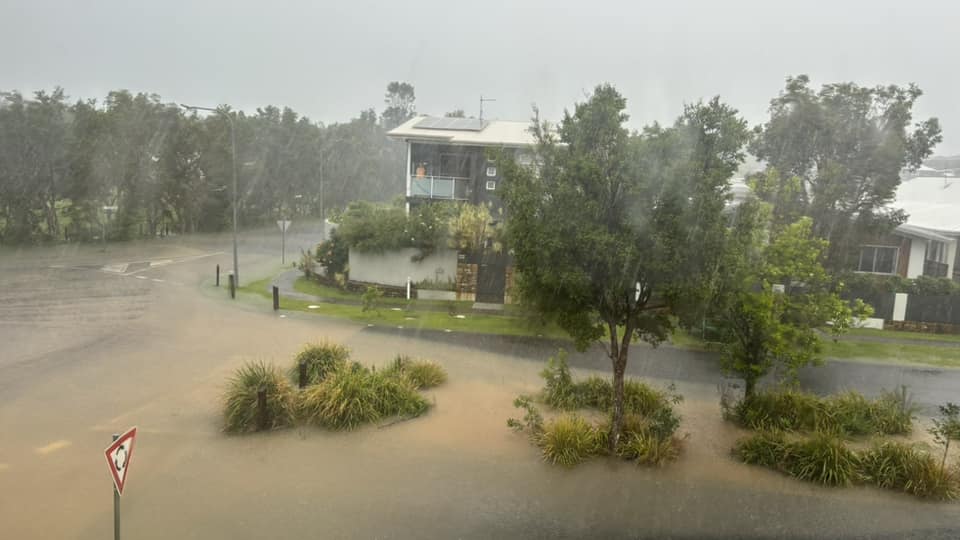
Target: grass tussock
x,y
846,414
421,373
353,396
568,440
241,413
321,359
824,459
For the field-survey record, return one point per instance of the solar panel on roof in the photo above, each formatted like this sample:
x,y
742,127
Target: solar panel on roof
x,y
457,124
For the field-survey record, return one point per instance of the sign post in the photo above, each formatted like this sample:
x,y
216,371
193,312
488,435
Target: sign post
x,y
284,224
118,456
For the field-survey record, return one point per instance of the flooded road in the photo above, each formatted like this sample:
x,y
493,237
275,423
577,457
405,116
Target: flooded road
x,y
87,352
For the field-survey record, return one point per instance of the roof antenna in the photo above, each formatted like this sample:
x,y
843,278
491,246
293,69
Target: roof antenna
x,y
482,99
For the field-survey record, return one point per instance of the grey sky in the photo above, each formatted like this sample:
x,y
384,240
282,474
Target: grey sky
x,y
329,60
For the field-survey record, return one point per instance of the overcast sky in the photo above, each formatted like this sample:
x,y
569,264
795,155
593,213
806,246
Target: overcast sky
x,y
329,60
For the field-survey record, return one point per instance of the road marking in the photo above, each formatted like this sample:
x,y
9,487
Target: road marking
x,y
115,268
53,447
164,262
157,280
141,277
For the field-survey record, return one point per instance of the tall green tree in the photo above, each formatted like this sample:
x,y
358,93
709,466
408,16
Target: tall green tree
x,y
847,145
612,232
400,100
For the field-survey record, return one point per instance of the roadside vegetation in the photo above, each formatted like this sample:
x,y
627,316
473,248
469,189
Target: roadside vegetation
x,y
809,438
336,393
569,436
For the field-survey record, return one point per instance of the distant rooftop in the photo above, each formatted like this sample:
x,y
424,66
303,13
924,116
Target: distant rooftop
x,y
465,131
931,202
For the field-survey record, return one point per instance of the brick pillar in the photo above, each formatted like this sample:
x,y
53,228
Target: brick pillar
x,y
466,281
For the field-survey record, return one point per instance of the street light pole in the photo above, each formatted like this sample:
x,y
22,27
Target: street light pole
x,y
233,156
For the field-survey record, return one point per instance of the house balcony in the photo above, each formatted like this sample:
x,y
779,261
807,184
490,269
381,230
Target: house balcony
x,y
934,269
440,187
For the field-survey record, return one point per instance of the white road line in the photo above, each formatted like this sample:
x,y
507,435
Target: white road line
x,y
141,277
157,280
53,447
178,261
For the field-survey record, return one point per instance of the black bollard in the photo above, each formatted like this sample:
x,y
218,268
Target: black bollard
x,y
303,374
261,409
218,275
276,298
233,288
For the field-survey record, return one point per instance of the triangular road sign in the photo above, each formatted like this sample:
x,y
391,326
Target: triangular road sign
x,y
118,456
284,224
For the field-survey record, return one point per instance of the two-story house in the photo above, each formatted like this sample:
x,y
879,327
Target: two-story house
x,y
447,159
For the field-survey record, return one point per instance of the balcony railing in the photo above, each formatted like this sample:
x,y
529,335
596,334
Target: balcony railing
x,y
440,187
934,269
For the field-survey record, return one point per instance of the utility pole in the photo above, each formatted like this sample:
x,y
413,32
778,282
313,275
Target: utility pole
x,y
233,154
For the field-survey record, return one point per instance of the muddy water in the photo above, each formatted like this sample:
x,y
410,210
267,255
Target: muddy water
x,y
457,472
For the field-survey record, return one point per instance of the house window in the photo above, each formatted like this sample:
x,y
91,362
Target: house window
x,y
936,251
491,185
491,171
878,259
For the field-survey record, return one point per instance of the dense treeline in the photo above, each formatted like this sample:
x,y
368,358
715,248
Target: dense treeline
x,y
168,169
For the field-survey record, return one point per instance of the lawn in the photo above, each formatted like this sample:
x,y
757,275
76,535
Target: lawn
x,y
309,286
896,353
902,334
389,314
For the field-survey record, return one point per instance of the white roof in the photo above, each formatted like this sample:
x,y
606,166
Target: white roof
x,y
931,203
493,133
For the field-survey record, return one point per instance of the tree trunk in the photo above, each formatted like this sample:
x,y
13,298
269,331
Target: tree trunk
x,y
750,386
618,356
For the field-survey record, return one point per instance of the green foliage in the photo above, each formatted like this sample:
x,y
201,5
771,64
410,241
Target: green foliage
x,y
865,284
569,440
613,230
772,298
646,448
240,411
421,373
333,254
655,406
946,428
353,396
321,359
766,448
907,468
822,459
844,414
532,421
370,227
400,104
846,144
170,170
370,299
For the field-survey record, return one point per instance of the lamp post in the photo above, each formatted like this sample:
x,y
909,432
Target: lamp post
x,y
233,154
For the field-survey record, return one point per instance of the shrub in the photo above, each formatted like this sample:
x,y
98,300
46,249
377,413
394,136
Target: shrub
x,y
905,467
849,413
397,396
645,448
946,428
559,392
766,448
346,399
568,440
333,254
353,396
421,373
371,299
532,421
321,358
240,411
823,459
